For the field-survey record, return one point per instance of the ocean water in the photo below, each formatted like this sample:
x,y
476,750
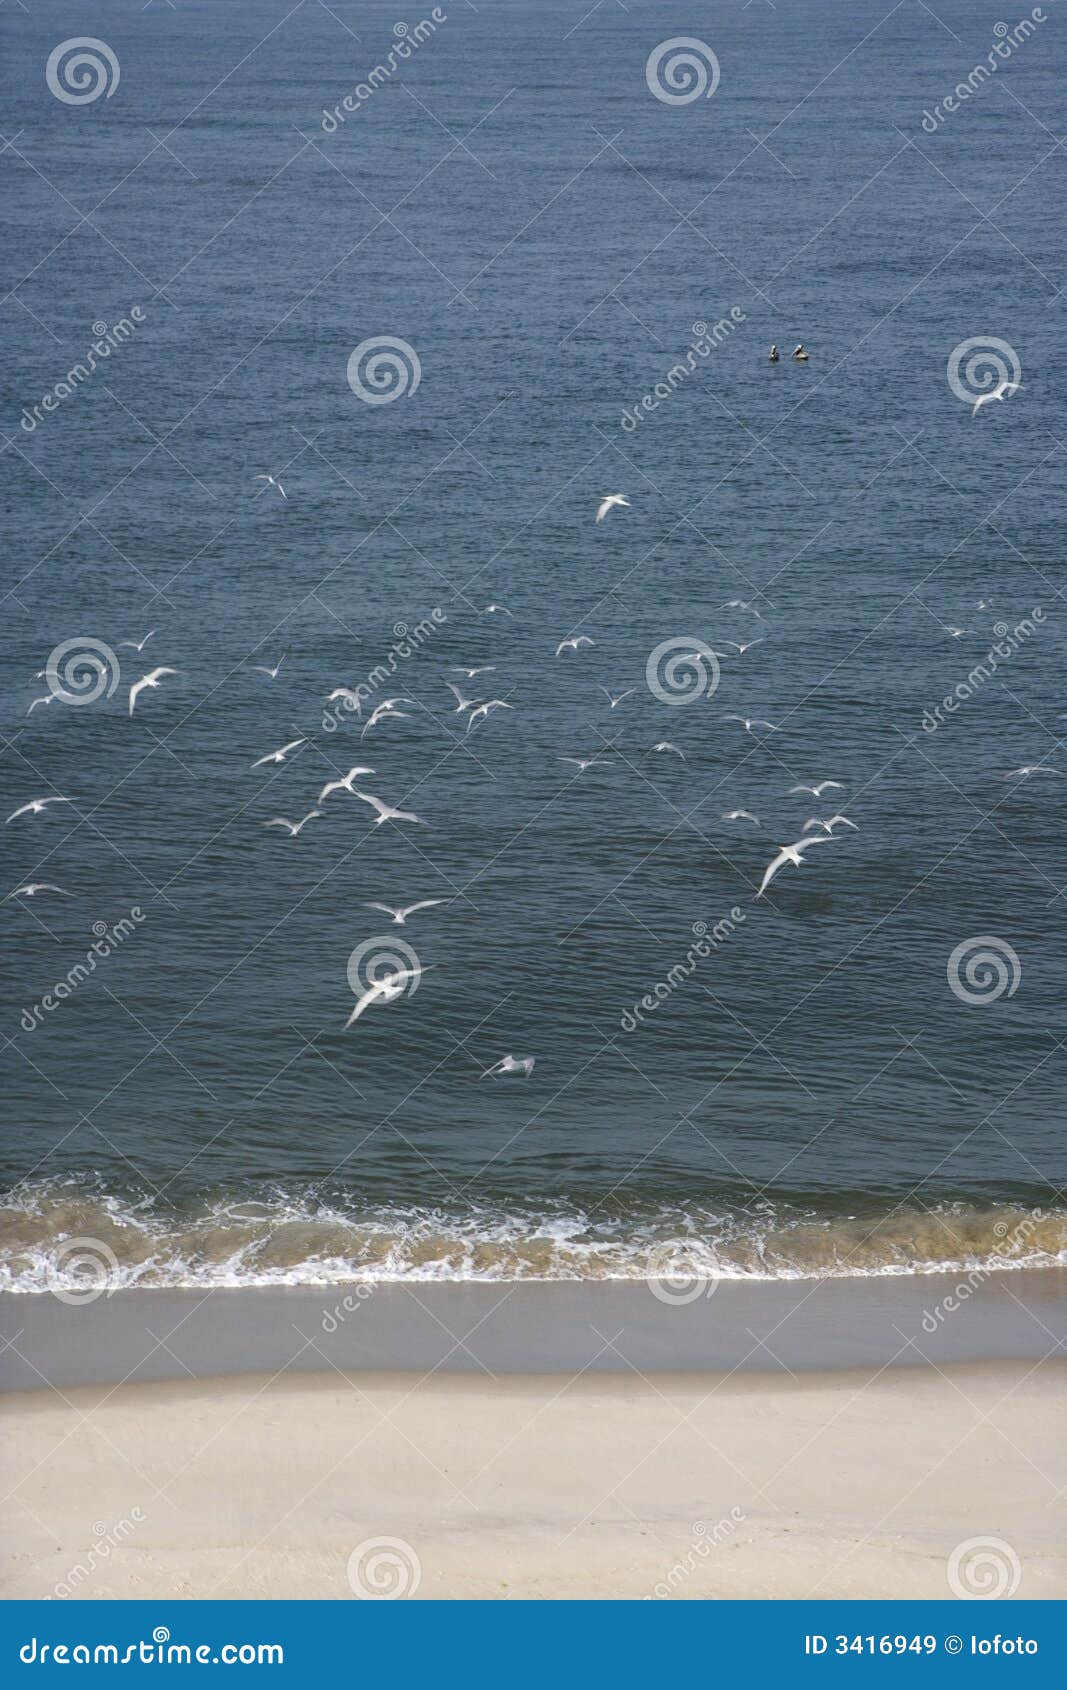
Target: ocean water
x,y
807,1092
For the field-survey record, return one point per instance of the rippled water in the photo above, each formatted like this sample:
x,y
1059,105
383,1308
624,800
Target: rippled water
x,y
809,1095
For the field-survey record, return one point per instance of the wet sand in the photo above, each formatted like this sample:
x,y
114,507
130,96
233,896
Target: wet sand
x,y
525,1326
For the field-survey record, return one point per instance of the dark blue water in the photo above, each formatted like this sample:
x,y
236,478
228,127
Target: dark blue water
x,y
516,205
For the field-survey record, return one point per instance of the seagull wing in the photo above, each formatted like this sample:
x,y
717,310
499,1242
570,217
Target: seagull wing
x,y
772,869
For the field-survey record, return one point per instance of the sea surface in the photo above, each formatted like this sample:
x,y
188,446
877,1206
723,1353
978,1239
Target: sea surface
x,y
861,1071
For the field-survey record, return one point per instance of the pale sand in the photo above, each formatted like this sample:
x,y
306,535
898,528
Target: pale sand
x,y
841,1484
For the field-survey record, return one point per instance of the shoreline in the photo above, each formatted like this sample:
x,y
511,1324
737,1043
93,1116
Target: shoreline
x,y
533,1327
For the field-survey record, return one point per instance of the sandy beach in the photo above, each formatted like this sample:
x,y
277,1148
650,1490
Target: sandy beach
x,y
850,1484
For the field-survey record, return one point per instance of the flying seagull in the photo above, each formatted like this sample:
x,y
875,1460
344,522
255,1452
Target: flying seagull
x,y
461,702
496,610
386,711
511,1065
789,854
668,745
461,669
818,789
388,812
830,822
35,806
607,502
345,782
49,698
616,698
750,722
152,679
280,755
741,816
483,710
741,604
138,645
1031,769
400,912
262,668
271,482
390,986
294,827
1001,391
573,644
583,763
350,696
36,886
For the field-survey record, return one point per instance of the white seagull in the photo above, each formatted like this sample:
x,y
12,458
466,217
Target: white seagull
x,y
49,698
461,669
152,679
262,668
344,784
280,755
742,816
386,711
35,806
388,812
750,722
789,854
390,986
573,644
829,824
583,763
496,610
741,604
616,698
351,698
1001,391
36,886
818,789
294,827
271,482
483,710
511,1065
742,648
668,745
138,645
607,502
400,912
461,702
1031,769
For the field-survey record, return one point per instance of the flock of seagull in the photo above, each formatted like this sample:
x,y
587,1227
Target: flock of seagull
x,y
816,830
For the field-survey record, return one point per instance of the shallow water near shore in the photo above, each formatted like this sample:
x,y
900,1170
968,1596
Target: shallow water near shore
x,y
60,1240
